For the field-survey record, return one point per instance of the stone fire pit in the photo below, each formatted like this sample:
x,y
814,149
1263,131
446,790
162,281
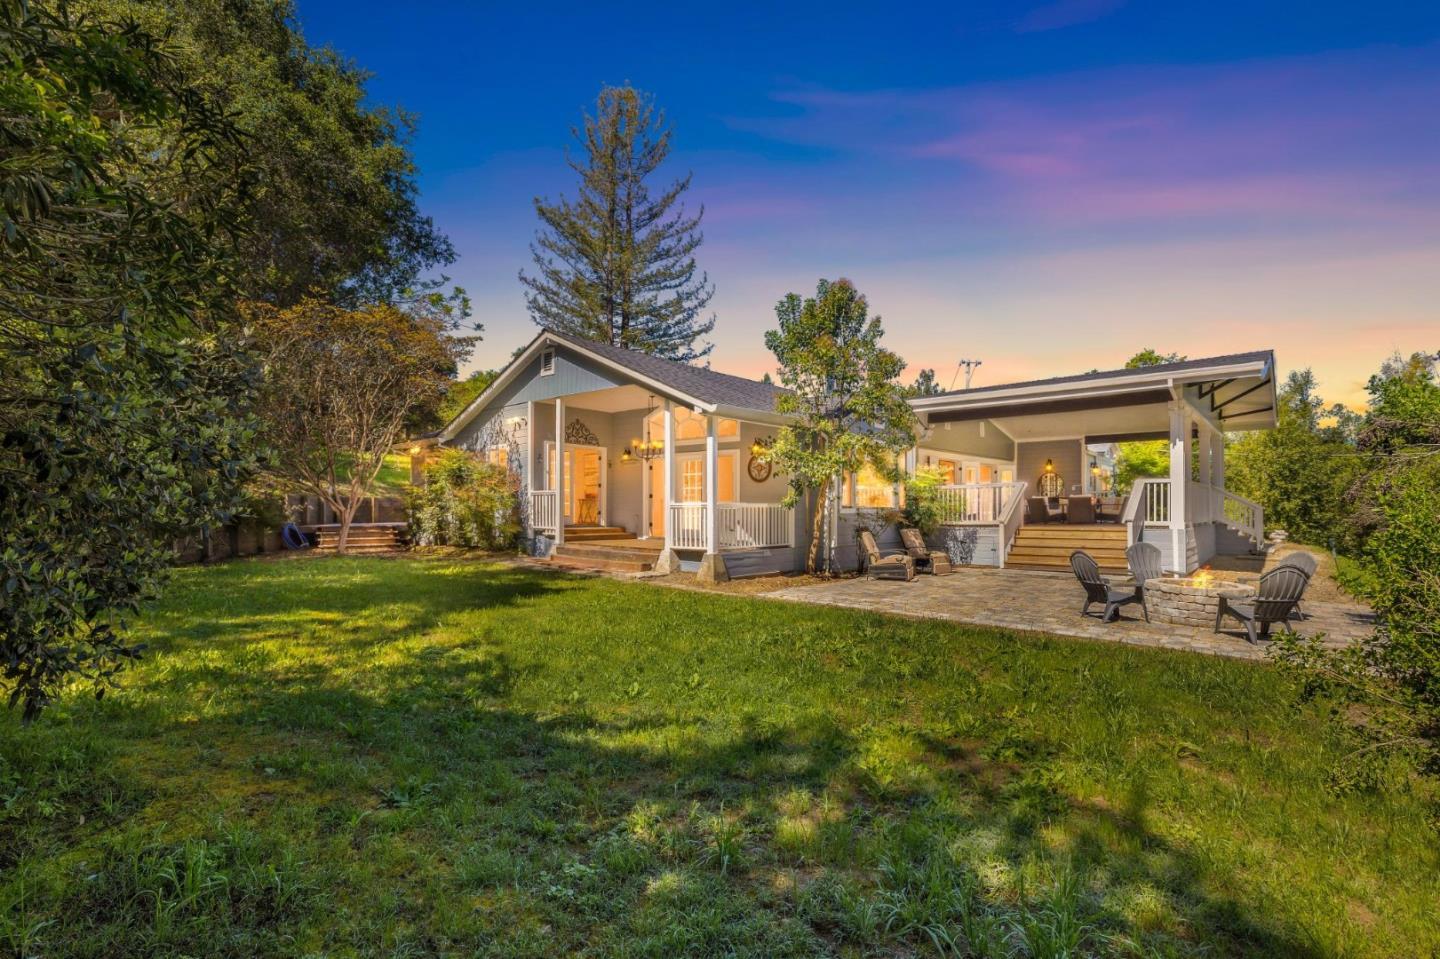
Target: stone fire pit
x,y
1191,601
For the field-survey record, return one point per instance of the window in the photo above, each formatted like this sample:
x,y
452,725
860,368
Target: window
x,y
947,471
690,425
547,362
499,455
871,490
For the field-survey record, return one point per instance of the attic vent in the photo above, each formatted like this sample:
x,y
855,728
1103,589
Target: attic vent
x,y
547,362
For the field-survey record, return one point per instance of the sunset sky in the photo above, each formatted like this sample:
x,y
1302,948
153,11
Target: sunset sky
x,y
1046,188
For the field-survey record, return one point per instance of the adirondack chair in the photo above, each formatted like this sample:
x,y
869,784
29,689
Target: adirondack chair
x,y
1307,564
890,564
1098,588
927,560
1280,590
1144,561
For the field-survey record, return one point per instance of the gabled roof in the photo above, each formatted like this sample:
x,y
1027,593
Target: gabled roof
x,y
695,386
696,382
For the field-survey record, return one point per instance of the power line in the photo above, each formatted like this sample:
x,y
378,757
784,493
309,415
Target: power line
x,y
969,366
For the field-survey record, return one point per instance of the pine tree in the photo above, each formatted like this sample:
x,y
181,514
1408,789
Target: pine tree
x,y
617,265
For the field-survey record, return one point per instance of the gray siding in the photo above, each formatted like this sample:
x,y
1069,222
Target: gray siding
x,y
1030,462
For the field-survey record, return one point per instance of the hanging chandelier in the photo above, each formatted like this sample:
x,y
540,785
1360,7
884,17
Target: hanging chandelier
x,y
648,447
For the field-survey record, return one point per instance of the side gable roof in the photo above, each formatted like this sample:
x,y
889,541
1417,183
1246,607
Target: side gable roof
x,y
695,386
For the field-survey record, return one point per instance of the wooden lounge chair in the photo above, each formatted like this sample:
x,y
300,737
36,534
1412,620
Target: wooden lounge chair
x,y
891,564
1079,509
927,560
1305,563
1145,564
1280,591
1098,588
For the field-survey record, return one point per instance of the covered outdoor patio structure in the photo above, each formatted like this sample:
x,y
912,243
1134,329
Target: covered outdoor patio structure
x,y
1188,513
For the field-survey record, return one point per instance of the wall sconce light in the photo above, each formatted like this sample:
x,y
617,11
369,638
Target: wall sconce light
x,y
761,444
1049,466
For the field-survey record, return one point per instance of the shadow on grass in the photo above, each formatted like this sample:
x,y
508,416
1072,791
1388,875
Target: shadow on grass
x,y
332,770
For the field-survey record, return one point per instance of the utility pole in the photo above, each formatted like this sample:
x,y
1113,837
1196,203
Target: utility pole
x,y
969,371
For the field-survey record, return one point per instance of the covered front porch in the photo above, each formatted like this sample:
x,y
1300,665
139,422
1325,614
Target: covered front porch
x,y
634,469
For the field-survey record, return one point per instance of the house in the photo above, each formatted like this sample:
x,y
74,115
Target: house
x,y
632,460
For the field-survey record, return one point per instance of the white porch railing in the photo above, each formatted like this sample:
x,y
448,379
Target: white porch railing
x,y
750,525
739,525
1245,515
687,526
1150,505
544,510
1012,515
983,503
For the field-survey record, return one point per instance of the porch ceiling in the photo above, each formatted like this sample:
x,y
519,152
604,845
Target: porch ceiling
x,y
616,399
1146,418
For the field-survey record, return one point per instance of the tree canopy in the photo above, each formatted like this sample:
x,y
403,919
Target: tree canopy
x,y
335,203
844,392
342,388
617,264
124,417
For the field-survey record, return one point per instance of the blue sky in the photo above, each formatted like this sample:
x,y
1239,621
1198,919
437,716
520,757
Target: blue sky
x,y
1047,187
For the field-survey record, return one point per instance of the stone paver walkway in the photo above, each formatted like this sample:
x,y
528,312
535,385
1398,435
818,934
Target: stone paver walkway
x,y
1050,603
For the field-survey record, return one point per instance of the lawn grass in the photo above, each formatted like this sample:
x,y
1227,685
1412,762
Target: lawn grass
x,y
432,757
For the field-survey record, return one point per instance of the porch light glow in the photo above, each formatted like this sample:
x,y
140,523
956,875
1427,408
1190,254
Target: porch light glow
x,y
1049,466
648,447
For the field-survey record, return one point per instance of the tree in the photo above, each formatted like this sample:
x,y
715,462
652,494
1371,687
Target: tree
x,y
1299,471
335,199
617,265
1142,458
1386,690
341,388
462,393
123,389
843,392
924,385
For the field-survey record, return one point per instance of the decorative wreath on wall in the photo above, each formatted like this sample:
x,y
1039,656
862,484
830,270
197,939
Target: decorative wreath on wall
x,y
578,433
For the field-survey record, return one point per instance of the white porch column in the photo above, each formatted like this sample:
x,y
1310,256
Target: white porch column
x,y
559,478
712,486
530,483
1208,505
1217,463
1179,480
669,430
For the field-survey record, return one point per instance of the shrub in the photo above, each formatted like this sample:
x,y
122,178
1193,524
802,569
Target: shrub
x,y
466,502
922,499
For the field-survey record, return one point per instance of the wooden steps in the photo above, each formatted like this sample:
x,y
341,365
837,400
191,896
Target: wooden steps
x,y
603,548
1048,546
584,534
362,539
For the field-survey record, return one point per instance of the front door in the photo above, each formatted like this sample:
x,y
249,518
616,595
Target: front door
x,y
583,499
656,486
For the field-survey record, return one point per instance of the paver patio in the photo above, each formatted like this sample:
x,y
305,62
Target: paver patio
x,y
1050,603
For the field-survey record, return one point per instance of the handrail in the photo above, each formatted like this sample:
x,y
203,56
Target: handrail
x,y
1010,520
1246,515
977,503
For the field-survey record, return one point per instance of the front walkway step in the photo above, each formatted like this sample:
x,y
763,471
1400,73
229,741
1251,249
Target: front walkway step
x,y
584,552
